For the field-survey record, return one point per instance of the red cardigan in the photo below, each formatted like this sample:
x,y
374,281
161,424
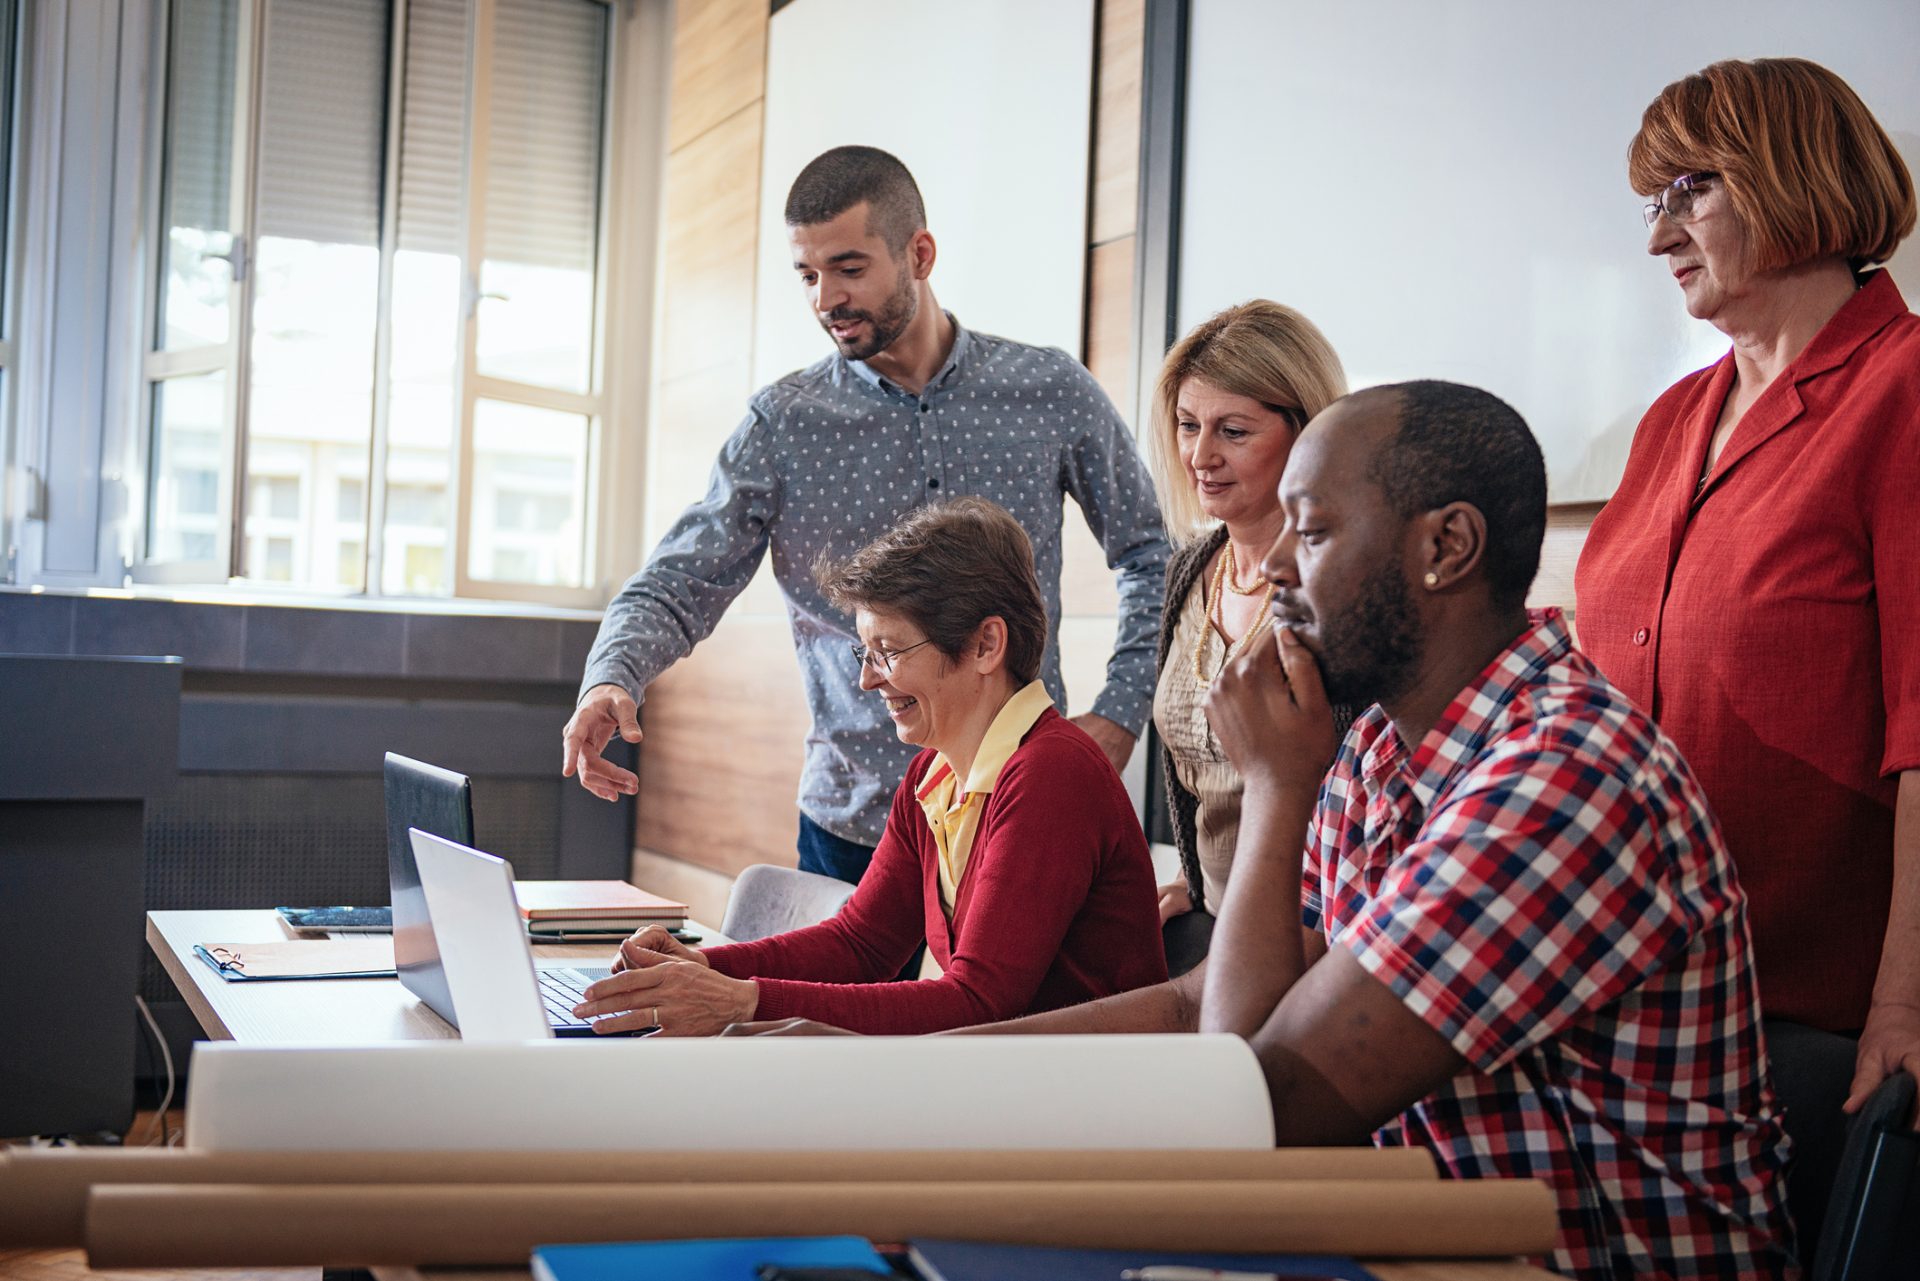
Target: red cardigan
x,y
1057,906
1771,624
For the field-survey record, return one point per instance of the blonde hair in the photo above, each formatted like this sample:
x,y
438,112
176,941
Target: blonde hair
x,y
1809,171
1259,349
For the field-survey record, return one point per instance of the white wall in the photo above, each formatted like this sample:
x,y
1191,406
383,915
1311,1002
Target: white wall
x,y
988,103
1442,186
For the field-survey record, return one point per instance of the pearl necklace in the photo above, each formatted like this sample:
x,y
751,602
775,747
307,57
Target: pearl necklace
x,y
1216,608
1233,575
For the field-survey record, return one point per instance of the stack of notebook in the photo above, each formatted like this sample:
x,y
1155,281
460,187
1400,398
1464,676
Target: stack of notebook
x,y
589,911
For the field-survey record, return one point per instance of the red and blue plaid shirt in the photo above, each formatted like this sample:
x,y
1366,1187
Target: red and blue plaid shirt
x,y
1542,882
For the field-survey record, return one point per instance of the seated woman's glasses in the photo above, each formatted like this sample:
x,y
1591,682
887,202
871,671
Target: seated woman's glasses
x,y
881,660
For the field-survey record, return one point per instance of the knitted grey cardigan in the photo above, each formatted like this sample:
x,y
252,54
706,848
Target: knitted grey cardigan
x,y
1183,807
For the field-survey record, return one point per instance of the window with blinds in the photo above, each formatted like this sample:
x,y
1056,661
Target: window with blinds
x,y
381,278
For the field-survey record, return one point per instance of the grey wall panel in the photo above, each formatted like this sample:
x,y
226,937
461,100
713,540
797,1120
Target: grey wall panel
x,y
87,728
269,734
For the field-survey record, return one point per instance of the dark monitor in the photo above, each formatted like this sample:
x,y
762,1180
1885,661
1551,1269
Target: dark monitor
x,y
438,801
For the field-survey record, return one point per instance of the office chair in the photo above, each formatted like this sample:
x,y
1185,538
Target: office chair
x,y
769,900
1871,1233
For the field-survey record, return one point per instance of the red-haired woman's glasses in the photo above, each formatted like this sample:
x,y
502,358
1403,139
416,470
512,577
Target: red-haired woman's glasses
x,y
1677,198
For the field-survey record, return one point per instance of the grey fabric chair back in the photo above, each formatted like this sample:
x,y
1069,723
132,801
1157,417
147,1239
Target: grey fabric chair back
x,y
769,900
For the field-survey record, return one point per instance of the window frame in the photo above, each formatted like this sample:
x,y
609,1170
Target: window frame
x,y
13,45
233,357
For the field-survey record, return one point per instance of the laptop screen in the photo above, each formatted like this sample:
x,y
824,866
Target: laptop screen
x,y
437,801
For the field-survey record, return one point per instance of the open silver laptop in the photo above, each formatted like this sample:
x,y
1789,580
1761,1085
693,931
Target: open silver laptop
x,y
495,990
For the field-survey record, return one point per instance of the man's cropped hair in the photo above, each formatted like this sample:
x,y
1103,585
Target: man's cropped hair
x,y
835,181
1459,444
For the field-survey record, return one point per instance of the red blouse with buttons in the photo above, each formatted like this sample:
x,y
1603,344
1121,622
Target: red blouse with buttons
x,y
1770,621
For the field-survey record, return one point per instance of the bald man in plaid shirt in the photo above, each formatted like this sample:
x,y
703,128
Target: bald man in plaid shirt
x,y
1524,946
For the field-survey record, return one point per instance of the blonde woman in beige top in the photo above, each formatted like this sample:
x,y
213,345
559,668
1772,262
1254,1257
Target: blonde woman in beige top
x,y
1231,397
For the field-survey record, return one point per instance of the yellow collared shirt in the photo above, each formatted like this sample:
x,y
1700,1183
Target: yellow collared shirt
x,y
953,813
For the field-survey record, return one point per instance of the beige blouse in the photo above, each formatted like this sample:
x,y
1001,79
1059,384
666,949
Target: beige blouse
x,y
1198,762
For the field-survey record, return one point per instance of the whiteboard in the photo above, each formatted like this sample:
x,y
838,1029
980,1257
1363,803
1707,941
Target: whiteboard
x,y
989,104
1441,186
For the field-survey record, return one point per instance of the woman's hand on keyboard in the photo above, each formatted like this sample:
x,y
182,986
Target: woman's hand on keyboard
x,y
651,945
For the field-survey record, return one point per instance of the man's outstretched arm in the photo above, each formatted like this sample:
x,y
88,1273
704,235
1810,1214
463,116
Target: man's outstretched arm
x,y
674,602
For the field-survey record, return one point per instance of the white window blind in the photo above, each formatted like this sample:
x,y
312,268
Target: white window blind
x,y
323,120
543,160
200,112
433,128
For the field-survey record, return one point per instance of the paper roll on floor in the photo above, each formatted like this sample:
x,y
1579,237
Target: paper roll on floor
x,y
222,1225
931,1093
43,1191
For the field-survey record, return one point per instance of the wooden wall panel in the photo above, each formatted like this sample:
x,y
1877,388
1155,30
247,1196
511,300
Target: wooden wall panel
x,y
1116,136
1110,319
1566,534
712,207
719,64
720,760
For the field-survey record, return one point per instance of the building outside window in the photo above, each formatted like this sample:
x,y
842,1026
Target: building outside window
x,y
377,315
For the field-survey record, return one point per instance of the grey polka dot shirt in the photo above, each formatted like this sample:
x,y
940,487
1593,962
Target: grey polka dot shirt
x,y
827,460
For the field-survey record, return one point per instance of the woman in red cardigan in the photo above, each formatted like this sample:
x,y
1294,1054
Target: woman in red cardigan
x,y
1755,582
1012,850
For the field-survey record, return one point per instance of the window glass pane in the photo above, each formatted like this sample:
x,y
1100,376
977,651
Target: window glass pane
x,y
184,498
316,287
195,206
423,399
543,192
529,495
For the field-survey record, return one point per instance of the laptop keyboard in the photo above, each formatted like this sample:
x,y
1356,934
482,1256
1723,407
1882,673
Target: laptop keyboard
x,y
562,989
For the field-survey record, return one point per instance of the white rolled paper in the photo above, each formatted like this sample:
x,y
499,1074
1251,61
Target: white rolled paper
x,y
844,1093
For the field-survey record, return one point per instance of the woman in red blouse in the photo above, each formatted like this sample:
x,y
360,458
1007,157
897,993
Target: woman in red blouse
x,y
1755,581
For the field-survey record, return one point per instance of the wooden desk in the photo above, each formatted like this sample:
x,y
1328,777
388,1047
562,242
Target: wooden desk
x,y
1385,1269
343,1011
311,1012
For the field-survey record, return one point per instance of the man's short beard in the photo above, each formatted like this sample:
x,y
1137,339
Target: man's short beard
x,y
892,320
1370,653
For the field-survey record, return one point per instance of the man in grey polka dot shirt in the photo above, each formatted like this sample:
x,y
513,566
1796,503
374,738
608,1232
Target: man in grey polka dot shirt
x,y
910,409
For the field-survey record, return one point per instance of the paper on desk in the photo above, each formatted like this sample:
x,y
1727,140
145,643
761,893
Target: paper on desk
x,y
355,957
850,1093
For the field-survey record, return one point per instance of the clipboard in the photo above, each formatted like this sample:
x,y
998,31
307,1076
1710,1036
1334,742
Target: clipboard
x,y
366,957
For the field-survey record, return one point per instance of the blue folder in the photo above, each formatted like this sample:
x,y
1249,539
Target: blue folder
x,y
734,1259
973,1261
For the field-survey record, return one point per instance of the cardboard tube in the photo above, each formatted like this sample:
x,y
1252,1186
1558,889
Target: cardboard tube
x,y
43,1191
220,1225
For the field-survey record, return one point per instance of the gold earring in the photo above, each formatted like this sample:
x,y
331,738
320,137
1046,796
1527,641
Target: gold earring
x,y
1433,579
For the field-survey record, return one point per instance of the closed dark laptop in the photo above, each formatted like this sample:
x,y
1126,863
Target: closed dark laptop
x,y
437,801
